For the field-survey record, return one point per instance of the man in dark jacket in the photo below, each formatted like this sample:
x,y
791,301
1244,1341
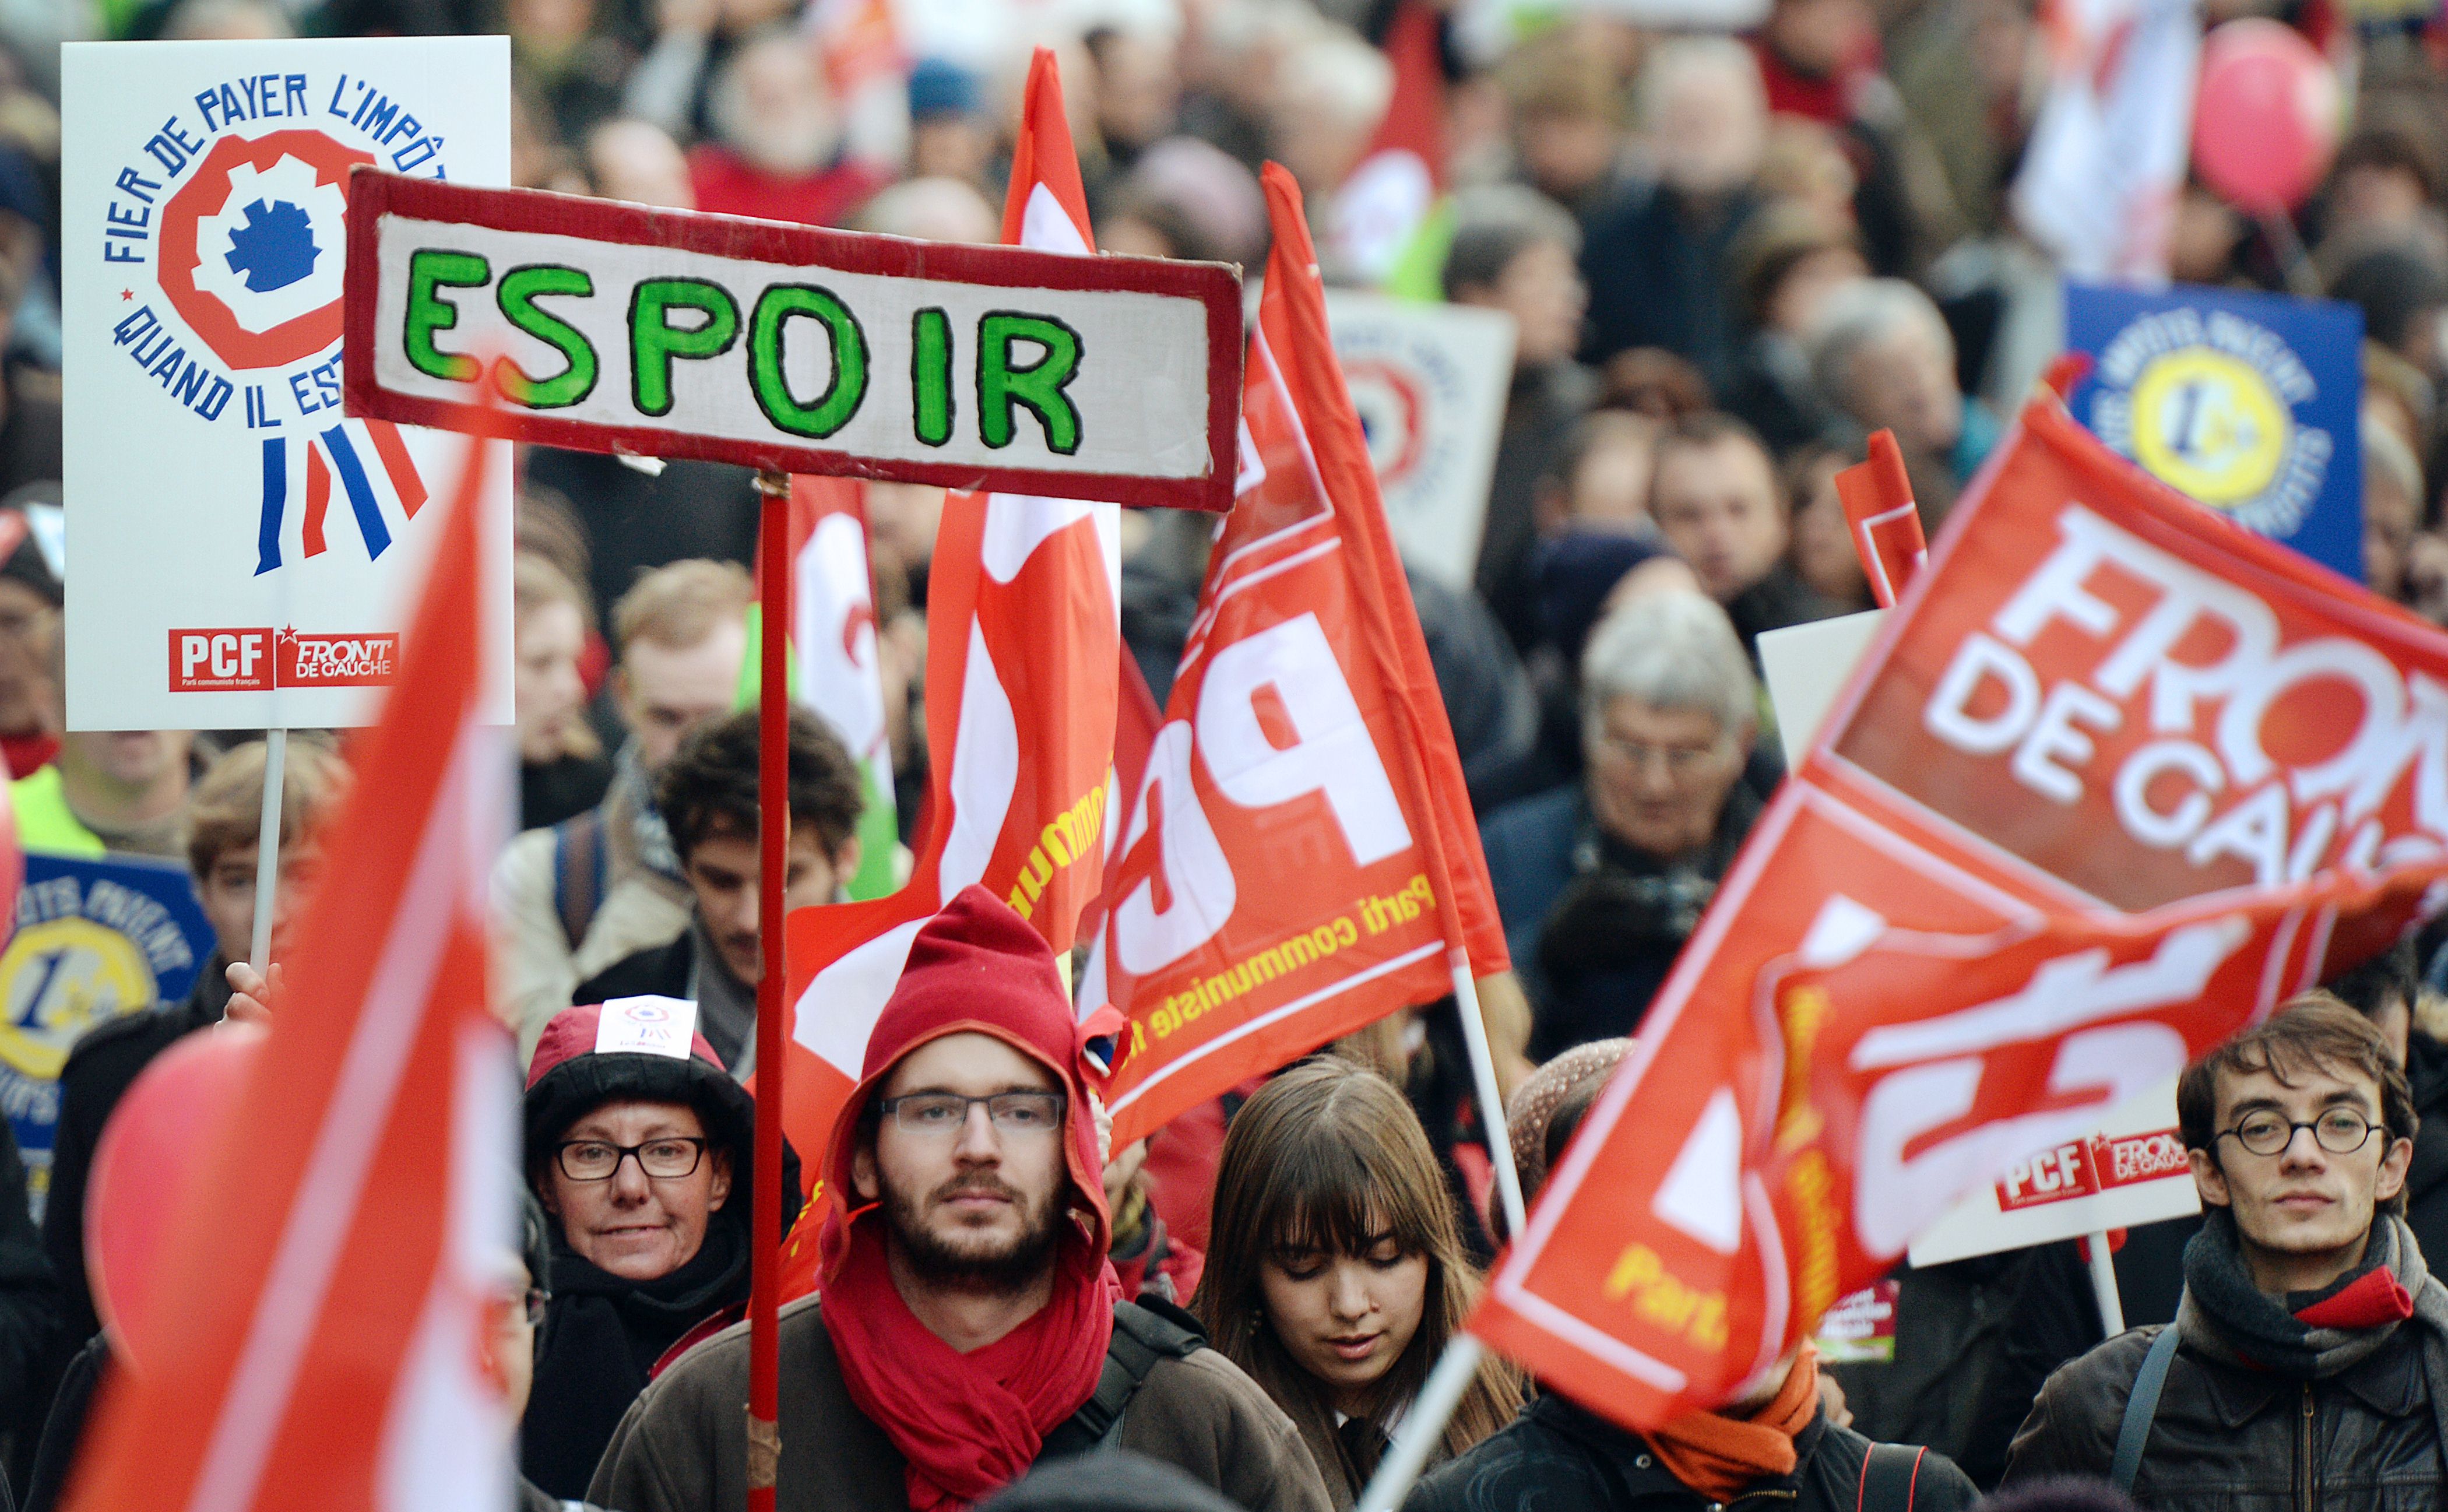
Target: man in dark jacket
x,y
707,796
1560,1454
967,1310
2312,1340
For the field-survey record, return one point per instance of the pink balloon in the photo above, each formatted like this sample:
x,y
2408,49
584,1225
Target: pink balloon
x,y
157,1140
2266,116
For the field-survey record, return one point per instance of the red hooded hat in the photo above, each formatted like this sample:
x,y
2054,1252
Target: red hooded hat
x,y
978,968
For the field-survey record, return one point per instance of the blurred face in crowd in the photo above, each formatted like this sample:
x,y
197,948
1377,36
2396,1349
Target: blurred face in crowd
x,y
552,24
1905,379
902,518
776,112
2392,517
1658,776
1823,542
1566,152
510,1336
637,160
722,873
972,1201
1820,36
1799,296
127,765
1611,486
2304,1212
666,691
226,889
28,696
2373,195
1346,1318
1541,289
632,1225
950,146
1138,92
1708,126
550,696
1717,504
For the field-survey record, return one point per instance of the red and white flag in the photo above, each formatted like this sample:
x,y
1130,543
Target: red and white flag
x,y
1024,630
2117,779
1883,518
1385,201
833,630
324,1337
1299,856
2108,154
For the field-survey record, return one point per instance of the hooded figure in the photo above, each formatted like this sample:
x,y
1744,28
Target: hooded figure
x,y
638,1261
966,1193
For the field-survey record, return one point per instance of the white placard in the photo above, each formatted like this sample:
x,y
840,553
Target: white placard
x,y
1430,382
646,1026
1806,667
244,555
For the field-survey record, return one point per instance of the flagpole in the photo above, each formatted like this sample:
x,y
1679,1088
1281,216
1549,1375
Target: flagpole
x,y
1424,1425
772,845
267,851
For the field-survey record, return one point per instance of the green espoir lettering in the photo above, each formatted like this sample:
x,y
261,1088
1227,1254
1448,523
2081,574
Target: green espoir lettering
x,y
846,386
655,342
430,271
517,295
1003,387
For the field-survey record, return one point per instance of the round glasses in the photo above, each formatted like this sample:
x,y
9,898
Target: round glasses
x,y
664,1159
2340,1131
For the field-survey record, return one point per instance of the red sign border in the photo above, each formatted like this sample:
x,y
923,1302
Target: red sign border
x,y
1214,285
296,338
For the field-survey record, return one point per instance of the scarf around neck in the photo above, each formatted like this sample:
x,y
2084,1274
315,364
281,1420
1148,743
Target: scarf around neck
x,y
632,823
1720,1457
971,1423
2307,1334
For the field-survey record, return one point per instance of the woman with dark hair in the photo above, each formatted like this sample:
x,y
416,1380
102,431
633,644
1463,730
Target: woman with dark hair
x,y
1336,1272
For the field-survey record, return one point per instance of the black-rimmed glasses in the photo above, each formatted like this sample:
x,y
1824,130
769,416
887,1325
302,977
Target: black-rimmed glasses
x,y
664,1159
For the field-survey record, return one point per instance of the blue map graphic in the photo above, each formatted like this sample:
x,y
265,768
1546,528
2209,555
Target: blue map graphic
x,y
273,247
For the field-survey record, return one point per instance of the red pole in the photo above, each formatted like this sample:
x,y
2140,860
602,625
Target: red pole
x,y
772,843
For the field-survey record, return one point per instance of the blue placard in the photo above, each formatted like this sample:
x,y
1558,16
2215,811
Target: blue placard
x,y
94,939
2247,402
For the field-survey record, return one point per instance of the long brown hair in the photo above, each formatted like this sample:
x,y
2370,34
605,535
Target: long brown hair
x,y
1323,1159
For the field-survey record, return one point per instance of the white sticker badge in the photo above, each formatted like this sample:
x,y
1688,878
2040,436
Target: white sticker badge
x,y
646,1026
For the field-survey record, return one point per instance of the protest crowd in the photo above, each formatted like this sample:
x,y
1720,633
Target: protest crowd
x,y
1728,248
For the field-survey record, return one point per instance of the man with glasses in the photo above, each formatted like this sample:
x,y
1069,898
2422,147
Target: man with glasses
x,y
1600,882
2305,1360
969,1324
639,1148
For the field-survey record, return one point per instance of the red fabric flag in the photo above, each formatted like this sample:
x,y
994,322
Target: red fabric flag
x,y
1884,520
323,1339
1283,878
2117,779
1024,631
1380,207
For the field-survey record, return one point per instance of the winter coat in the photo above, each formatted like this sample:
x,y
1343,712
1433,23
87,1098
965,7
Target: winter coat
x,y
683,1447
33,1337
1556,1454
2369,1437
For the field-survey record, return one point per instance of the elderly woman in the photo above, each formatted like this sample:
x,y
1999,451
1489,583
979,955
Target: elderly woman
x,y
1881,354
1600,882
637,1146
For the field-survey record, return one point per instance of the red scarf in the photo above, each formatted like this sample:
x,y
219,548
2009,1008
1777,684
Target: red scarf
x,y
969,1424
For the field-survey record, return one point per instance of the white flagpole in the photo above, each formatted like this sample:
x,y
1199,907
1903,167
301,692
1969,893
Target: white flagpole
x,y
1424,1427
1491,1099
2103,1283
267,850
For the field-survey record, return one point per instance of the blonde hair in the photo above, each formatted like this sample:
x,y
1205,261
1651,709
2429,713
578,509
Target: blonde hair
x,y
677,606
226,811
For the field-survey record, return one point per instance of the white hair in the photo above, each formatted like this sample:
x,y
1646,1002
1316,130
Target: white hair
x,y
1731,61
1672,650
1858,312
1335,72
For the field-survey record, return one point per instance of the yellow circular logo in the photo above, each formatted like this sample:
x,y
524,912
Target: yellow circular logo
x,y
2209,425
59,979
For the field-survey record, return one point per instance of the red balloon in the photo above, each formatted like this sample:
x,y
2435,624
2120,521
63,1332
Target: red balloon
x,y
2266,116
157,1138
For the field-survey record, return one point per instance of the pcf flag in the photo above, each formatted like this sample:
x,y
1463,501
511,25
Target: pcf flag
x,y
323,1337
1301,829
2117,779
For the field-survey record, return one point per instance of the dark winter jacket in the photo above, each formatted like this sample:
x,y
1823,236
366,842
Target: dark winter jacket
x,y
33,1335
1558,1455
2426,1180
2369,1437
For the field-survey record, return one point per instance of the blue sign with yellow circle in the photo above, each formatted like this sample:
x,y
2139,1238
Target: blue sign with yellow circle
x,y
2247,402
95,939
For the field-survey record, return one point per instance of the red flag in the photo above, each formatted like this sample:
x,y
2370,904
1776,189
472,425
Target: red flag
x,y
1299,858
324,1335
1024,631
1382,205
2117,779
1884,520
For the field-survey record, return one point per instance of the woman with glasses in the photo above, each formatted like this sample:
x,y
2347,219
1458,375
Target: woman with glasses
x,y
640,1155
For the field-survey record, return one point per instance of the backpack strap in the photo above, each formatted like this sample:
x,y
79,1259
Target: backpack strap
x,y
1891,1474
2140,1408
582,873
1145,1334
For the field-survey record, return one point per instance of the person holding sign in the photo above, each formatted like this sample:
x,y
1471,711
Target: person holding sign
x,y
1337,1270
2313,1336
968,1312
636,1141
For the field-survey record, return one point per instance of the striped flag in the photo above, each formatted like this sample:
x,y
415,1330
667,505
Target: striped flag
x,y
323,1335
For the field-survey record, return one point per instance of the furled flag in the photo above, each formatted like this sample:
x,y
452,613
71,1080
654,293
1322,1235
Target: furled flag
x,y
2117,779
2108,154
1883,519
1387,229
1024,630
324,1338
1301,837
833,628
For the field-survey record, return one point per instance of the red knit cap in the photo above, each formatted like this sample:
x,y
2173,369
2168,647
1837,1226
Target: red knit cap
x,y
976,968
